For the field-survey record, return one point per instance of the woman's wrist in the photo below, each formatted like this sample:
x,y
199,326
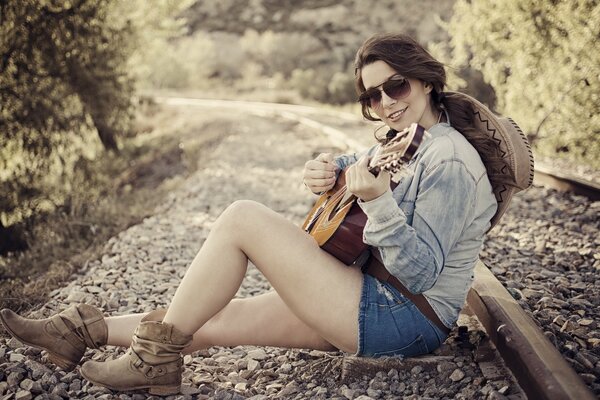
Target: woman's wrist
x,y
365,198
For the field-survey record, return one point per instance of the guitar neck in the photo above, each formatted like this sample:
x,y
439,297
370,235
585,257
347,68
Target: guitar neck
x,y
404,143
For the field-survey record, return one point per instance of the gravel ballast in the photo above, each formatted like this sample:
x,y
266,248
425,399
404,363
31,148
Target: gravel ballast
x,y
544,251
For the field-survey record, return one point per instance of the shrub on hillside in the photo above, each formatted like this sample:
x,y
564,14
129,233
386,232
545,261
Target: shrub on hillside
x,y
543,60
309,84
341,88
282,51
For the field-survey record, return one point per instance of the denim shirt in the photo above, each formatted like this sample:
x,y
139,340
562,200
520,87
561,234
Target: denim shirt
x,y
430,229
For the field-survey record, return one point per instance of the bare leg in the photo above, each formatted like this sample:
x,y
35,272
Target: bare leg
x,y
318,289
263,320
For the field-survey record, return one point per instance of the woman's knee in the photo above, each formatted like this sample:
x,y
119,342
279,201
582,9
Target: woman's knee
x,y
237,215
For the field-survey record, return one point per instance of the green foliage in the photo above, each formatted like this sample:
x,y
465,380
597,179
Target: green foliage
x,y
59,80
67,80
341,88
543,60
283,51
62,67
309,84
336,88
284,60
188,62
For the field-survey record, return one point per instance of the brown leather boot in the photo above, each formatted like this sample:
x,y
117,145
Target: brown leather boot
x,y
65,336
152,362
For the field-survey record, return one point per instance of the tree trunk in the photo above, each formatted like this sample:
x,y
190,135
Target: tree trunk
x,y
107,135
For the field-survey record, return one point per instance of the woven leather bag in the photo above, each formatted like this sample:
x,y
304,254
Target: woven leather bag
x,y
514,147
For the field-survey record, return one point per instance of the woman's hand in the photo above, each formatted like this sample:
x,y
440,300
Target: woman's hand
x,y
364,184
319,174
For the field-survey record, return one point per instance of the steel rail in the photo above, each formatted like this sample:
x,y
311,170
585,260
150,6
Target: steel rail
x,y
566,183
539,368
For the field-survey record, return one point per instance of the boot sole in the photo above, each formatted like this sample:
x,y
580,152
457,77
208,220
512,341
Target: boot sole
x,y
57,359
162,390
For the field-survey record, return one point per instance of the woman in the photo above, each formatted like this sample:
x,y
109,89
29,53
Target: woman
x,y
428,232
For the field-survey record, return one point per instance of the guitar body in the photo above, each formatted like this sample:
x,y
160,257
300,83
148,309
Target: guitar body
x,y
337,222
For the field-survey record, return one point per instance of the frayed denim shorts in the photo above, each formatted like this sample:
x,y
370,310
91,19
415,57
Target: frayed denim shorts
x,y
389,324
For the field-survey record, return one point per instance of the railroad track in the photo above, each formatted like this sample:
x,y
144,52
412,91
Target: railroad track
x,y
546,176
540,370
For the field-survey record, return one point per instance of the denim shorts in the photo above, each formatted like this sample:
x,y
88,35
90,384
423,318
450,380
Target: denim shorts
x,y
389,324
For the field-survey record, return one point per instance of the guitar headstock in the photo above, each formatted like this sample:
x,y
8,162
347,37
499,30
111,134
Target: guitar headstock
x,y
393,155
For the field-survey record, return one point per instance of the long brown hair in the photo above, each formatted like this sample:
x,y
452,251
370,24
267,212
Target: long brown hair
x,y
411,60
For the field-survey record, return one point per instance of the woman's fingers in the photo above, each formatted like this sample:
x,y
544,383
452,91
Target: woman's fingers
x,y
319,174
320,166
362,183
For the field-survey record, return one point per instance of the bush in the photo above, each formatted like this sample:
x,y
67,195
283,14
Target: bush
x,y
282,51
188,62
341,88
68,72
543,60
309,84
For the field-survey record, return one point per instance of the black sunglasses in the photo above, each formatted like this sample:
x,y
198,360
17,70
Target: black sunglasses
x,y
397,87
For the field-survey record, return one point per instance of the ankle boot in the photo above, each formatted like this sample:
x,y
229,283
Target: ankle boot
x,y
65,336
153,361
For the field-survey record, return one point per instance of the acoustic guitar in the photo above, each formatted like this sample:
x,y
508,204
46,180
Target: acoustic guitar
x,y
337,222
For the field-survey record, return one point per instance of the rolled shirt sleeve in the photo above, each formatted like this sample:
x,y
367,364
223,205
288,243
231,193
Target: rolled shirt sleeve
x,y
416,253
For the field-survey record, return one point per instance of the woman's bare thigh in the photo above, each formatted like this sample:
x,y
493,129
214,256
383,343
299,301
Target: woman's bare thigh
x,y
319,289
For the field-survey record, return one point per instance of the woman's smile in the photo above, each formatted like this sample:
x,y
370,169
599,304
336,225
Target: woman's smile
x,y
396,115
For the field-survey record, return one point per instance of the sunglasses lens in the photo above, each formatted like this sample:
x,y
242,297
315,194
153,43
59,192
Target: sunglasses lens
x,y
394,88
375,99
397,89
370,98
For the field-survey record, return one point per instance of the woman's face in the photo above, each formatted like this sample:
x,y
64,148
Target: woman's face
x,y
399,113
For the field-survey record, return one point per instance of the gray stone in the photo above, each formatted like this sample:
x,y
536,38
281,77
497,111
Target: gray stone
x,y
457,375
23,395
60,390
257,354
75,385
31,386
416,370
286,368
348,393
253,365
14,378
16,357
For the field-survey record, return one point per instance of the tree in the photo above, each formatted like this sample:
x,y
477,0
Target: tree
x,y
54,56
543,60
67,84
